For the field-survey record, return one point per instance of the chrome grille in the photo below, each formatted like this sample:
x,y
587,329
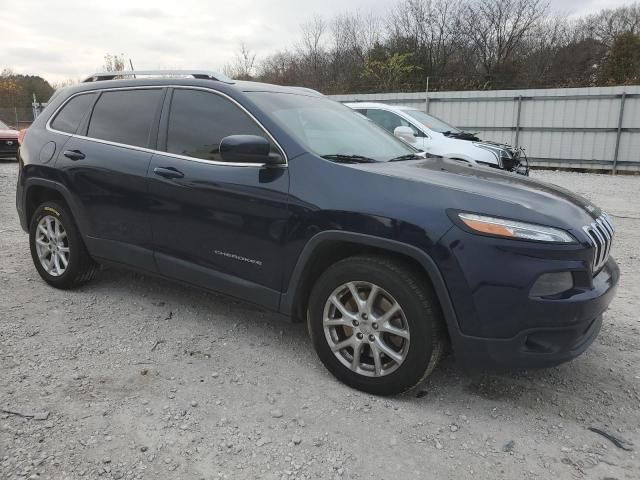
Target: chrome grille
x,y
600,235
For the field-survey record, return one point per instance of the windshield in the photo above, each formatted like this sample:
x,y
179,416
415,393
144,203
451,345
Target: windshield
x,y
329,128
431,122
3,126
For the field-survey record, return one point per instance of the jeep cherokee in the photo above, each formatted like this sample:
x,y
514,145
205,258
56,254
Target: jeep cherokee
x,y
296,203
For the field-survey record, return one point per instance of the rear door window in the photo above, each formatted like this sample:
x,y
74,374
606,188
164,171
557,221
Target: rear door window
x,y
72,113
199,120
125,116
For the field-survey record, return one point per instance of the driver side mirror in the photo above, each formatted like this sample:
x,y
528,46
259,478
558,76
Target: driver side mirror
x,y
405,133
248,149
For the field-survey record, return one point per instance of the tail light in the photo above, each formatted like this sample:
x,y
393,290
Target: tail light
x,y
21,135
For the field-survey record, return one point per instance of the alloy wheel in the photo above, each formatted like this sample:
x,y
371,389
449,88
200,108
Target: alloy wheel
x,y
52,245
366,328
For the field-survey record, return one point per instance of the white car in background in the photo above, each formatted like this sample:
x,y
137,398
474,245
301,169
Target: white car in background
x,y
436,137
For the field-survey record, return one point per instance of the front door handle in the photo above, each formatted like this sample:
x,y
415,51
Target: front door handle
x,y
168,172
74,154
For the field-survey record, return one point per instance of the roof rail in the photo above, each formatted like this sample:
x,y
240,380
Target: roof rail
x,y
201,74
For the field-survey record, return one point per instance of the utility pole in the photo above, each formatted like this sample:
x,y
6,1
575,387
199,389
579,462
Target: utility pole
x,y
614,168
426,98
35,107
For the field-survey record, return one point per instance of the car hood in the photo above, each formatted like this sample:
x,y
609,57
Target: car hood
x,y
476,142
492,191
8,133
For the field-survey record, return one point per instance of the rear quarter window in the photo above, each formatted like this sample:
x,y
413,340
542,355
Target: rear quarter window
x,y
125,116
70,116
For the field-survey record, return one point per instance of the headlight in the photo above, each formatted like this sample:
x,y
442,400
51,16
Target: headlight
x,y
514,229
497,151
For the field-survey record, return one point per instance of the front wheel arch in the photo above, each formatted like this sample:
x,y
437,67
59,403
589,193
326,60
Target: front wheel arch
x,y
383,352
330,246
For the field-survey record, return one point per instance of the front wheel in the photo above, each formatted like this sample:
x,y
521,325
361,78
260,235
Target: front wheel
x,y
375,324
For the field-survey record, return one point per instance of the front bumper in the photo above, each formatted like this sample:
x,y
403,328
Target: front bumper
x,y
8,148
500,327
535,348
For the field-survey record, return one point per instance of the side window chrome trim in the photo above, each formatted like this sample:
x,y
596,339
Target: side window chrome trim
x,y
160,152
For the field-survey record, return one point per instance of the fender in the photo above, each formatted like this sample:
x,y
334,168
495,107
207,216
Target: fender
x,y
76,209
288,298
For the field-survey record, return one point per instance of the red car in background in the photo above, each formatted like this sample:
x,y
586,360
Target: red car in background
x,y
8,142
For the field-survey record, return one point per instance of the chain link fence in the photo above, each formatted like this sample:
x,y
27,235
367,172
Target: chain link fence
x,y
16,117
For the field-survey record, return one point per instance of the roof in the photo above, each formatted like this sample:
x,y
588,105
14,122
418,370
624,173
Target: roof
x,y
198,78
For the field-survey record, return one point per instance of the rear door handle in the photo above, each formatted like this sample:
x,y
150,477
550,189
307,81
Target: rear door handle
x,y
74,154
168,172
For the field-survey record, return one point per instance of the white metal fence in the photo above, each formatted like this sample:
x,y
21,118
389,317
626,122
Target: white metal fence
x,y
586,128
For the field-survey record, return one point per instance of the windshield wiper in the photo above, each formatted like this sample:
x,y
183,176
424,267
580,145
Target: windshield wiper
x,y
409,156
344,158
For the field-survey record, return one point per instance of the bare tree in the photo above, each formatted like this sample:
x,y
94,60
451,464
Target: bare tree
x,y
535,57
281,68
429,29
243,66
312,49
351,38
495,29
464,44
354,33
114,63
65,83
607,24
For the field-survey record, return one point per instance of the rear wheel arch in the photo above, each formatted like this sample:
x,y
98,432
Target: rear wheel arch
x,y
38,191
36,195
329,247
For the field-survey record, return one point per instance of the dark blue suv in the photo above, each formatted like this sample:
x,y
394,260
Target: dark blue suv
x,y
284,198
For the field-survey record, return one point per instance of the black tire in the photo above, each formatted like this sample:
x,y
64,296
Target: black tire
x,y
421,309
81,268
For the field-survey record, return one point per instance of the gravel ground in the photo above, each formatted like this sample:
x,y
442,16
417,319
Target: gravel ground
x,y
134,377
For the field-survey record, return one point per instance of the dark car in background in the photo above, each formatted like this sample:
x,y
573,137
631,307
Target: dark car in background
x,y
8,142
289,200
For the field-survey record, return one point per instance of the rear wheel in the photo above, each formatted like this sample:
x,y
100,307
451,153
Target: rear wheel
x,y
375,324
57,249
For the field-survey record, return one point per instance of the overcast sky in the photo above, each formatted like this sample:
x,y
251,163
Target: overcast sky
x,y
65,39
